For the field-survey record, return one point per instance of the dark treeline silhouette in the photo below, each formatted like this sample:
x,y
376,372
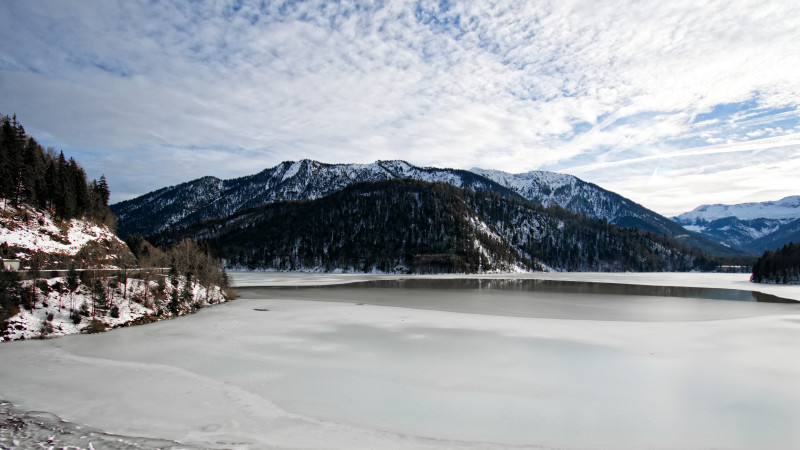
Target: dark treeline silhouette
x,y
779,266
45,179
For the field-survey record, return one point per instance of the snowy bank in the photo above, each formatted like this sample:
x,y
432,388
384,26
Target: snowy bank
x,y
59,312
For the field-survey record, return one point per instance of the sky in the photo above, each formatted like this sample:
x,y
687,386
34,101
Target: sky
x,y
672,104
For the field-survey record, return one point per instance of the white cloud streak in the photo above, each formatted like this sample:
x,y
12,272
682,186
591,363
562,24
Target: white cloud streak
x,y
157,93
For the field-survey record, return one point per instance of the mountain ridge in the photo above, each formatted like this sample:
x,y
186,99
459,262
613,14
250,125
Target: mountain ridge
x,y
412,226
208,197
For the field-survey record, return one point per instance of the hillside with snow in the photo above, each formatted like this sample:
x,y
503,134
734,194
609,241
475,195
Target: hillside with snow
x,y
26,232
130,301
574,194
103,289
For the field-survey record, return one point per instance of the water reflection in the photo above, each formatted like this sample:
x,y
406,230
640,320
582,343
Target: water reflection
x,y
552,299
573,287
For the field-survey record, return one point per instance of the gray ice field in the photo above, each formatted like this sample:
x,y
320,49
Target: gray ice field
x,y
583,361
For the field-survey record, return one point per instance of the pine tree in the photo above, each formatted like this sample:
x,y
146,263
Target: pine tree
x,y
73,281
99,299
10,293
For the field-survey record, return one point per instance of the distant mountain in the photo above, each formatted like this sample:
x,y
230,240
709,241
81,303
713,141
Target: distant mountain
x,y
754,227
419,227
787,208
206,198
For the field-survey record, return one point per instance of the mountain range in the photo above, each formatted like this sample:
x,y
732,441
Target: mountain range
x,y
753,227
207,198
403,225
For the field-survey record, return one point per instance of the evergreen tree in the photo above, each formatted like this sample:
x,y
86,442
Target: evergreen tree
x,y
100,302
73,281
10,294
779,266
29,174
79,187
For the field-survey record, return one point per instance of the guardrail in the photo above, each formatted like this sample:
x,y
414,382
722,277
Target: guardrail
x,y
131,273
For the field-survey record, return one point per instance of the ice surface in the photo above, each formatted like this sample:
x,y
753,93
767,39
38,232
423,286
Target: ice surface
x,y
288,373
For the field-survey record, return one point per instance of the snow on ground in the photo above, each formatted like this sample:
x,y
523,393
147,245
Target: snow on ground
x,y
35,230
52,315
270,372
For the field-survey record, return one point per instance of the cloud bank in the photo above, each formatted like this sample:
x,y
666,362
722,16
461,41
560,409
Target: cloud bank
x,y
672,104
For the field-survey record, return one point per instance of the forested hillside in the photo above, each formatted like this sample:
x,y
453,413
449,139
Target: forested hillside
x,y
31,175
779,266
208,197
422,227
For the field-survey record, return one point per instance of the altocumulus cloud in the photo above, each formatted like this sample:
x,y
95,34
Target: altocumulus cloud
x,y
670,103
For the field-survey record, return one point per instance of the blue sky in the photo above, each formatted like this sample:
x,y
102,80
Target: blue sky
x,y
672,104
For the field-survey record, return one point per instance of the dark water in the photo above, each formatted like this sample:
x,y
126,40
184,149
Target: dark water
x,y
543,298
574,287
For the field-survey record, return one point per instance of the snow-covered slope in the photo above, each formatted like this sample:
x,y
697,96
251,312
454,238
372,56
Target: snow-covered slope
x,y
26,231
50,309
751,226
567,191
57,312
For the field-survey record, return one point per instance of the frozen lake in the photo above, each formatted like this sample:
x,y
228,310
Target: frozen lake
x,y
683,361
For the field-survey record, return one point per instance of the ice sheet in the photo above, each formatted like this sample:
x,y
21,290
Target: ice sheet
x,y
306,374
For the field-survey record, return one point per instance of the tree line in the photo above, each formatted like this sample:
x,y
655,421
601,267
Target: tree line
x,y
779,266
44,178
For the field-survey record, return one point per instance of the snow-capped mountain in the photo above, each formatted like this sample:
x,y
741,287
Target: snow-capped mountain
x,y
751,226
209,197
785,209
412,226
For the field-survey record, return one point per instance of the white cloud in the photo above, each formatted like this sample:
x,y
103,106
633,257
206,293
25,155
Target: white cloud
x,y
203,89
